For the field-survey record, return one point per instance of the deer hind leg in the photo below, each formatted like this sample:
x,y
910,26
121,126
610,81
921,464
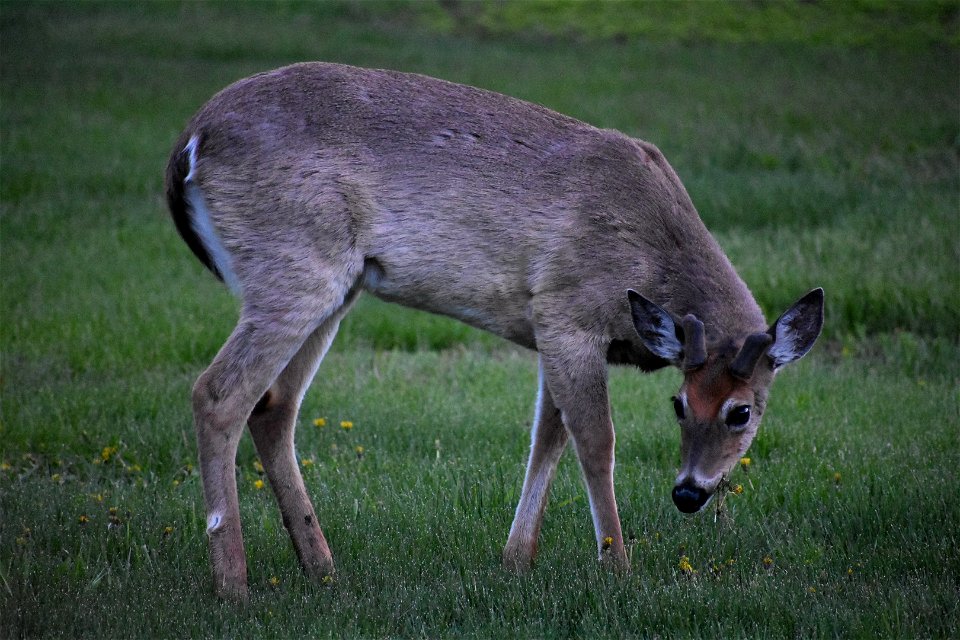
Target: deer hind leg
x,y
258,350
272,425
548,440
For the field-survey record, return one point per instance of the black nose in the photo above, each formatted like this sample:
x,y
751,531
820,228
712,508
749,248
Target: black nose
x,y
689,498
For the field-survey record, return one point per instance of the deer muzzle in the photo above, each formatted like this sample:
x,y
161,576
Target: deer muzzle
x,y
690,498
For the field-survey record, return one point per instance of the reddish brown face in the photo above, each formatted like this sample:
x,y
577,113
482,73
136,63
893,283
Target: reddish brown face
x,y
724,392
718,416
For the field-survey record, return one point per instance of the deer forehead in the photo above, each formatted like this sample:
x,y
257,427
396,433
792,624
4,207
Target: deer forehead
x,y
708,393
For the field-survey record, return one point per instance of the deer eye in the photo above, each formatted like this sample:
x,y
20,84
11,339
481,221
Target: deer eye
x,y
738,416
678,408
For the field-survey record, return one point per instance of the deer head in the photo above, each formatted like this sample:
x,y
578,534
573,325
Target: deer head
x,y
724,390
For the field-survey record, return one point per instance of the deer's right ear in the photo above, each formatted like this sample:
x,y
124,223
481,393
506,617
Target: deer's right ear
x,y
657,329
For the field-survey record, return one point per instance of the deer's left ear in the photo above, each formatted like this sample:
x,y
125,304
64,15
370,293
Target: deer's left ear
x,y
797,329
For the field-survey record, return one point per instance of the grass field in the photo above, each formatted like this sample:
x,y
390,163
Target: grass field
x,y
822,151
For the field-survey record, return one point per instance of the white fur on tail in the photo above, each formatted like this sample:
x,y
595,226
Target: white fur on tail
x,y
202,223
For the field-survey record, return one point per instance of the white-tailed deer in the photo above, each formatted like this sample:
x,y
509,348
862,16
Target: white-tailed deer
x,y
304,186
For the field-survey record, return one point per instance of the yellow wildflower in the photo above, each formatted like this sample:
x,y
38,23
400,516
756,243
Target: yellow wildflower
x,y
767,562
812,589
320,422
745,463
167,531
346,424
5,466
107,453
258,484
134,468
307,462
837,477
83,519
327,580
359,451
258,466
685,566
55,477
738,489
274,581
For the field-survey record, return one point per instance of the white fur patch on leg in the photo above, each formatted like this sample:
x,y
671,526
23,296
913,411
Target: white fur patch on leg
x,y
202,223
213,522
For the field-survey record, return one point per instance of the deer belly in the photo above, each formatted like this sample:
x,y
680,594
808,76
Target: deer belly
x,y
489,303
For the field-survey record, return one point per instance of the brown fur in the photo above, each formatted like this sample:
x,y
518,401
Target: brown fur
x,y
323,180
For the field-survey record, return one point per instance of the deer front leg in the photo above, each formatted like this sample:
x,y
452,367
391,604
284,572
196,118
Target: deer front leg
x,y
548,440
576,374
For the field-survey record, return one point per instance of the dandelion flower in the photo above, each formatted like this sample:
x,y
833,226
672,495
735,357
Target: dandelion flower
x,y
812,589
106,453
258,484
258,466
346,424
607,543
5,466
359,451
167,531
307,462
745,463
738,489
685,566
837,477
319,422
274,581
83,519
55,477
327,580
767,562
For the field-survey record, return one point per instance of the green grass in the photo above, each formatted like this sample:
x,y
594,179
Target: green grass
x,y
828,158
